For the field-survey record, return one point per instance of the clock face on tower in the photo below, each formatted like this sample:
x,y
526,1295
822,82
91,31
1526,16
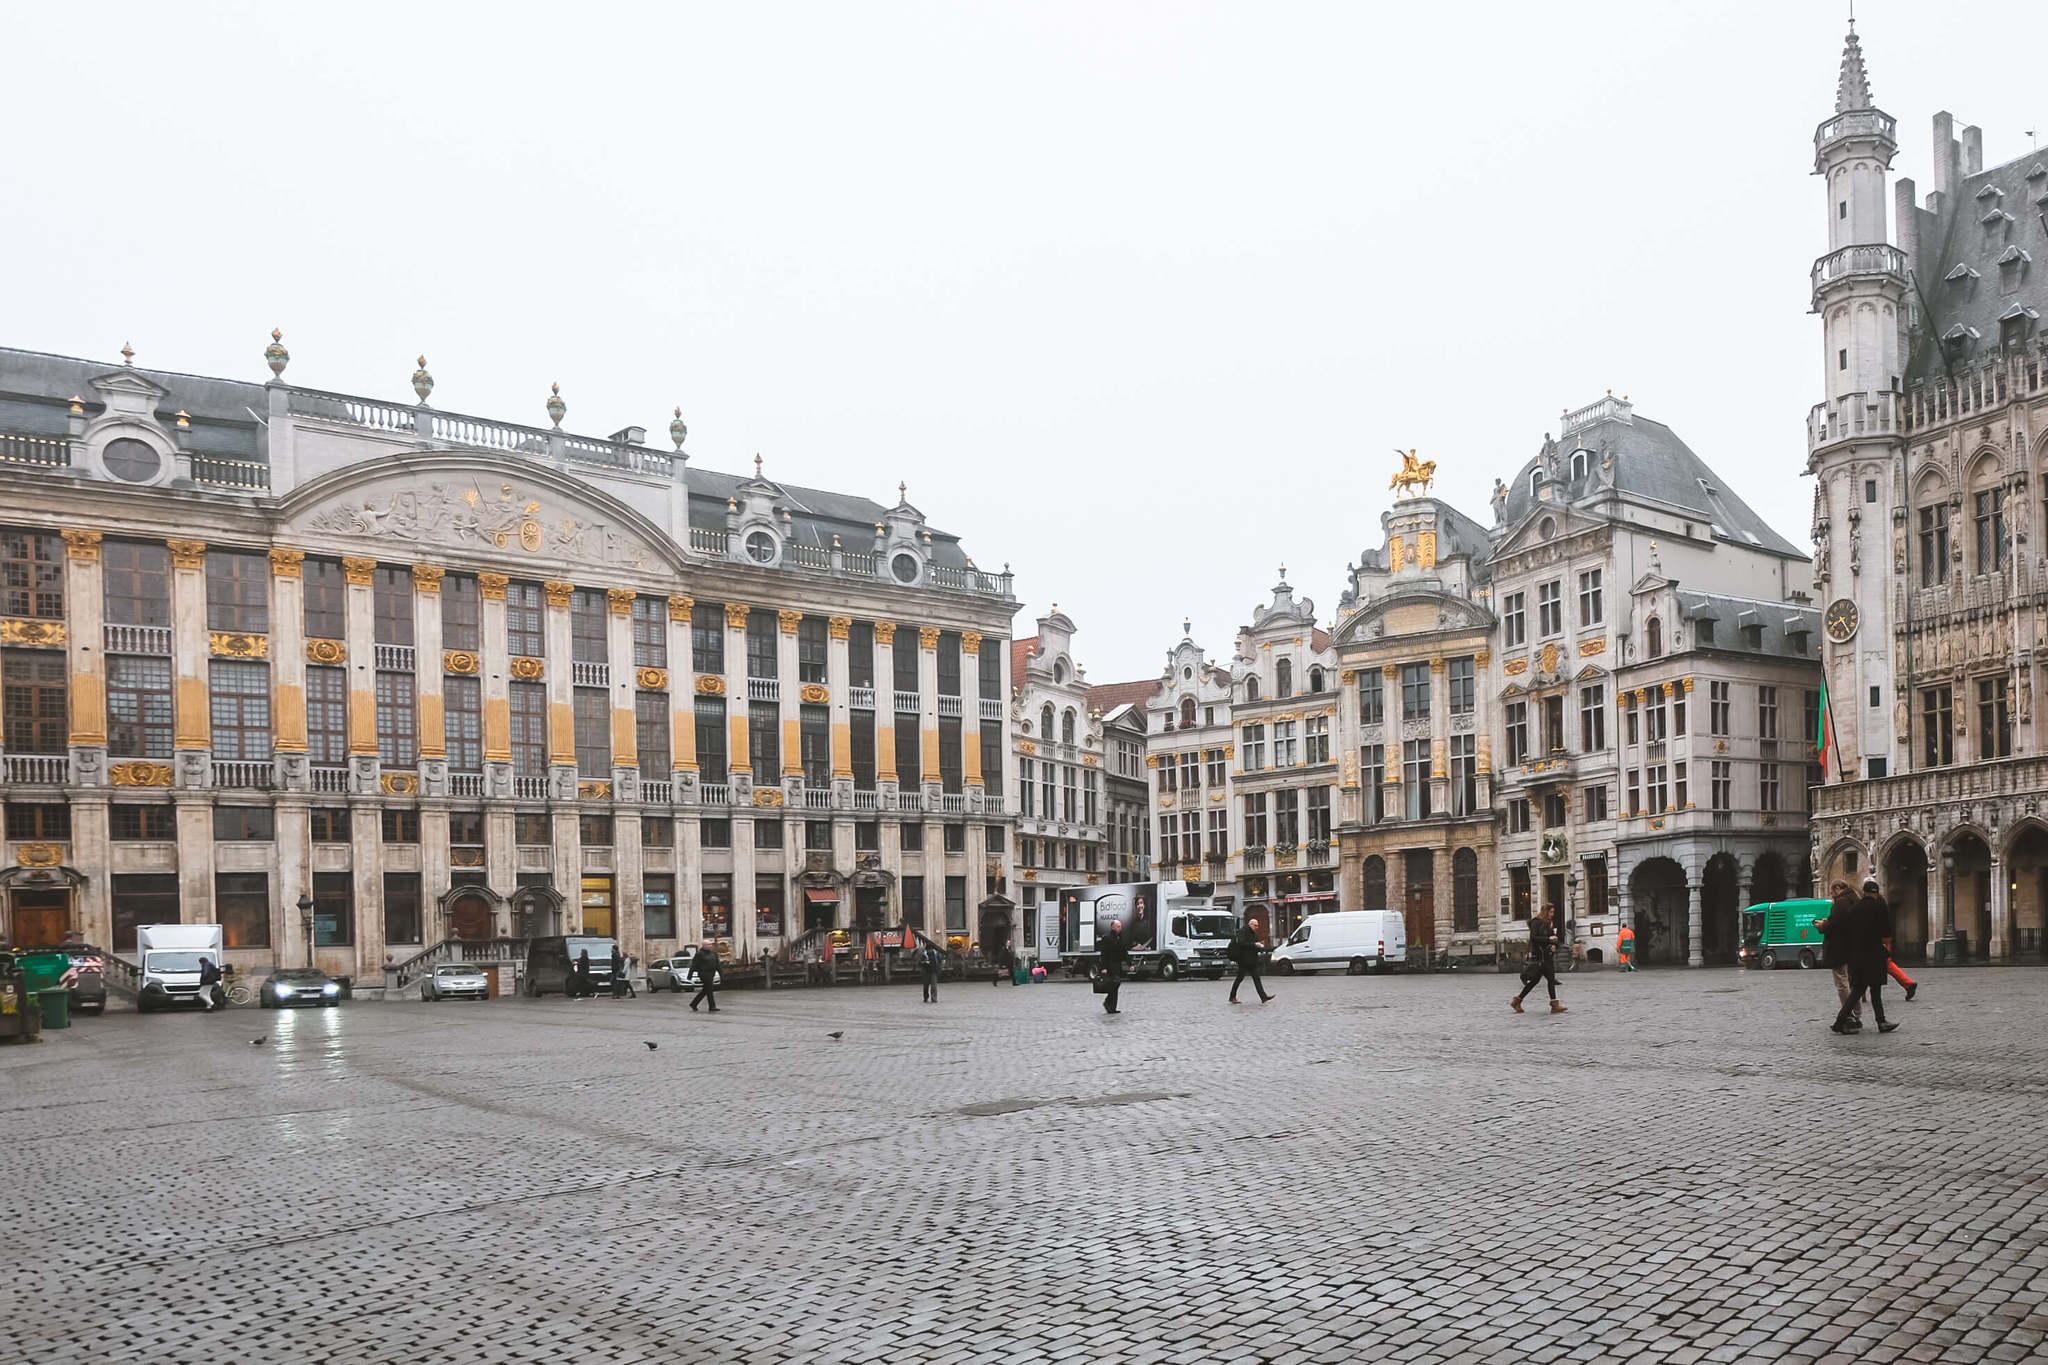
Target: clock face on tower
x,y
1840,620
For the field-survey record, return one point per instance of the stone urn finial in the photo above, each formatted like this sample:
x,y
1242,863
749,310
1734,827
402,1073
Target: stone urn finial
x,y
422,382
275,355
677,432
556,407
127,354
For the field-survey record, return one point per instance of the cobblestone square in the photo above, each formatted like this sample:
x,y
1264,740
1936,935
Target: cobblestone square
x,y
1686,1166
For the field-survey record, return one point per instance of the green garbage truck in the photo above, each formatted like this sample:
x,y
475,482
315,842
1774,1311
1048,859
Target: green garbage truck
x,y
1781,932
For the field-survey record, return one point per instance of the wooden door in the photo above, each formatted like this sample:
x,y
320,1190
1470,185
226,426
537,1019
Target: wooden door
x,y
471,918
41,918
1419,907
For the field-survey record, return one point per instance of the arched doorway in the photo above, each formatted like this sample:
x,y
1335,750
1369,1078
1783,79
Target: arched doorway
x,y
1767,880
1904,878
1659,911
2026,868
472,917
1720,915
536,912
1970,892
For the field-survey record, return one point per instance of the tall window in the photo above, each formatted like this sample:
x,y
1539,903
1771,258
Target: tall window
x,y
1934,545
1254,822
707,638
1283,677
325,591
1372,697
1286,745
764,743
1319,814
1464,891
1372,774
1517,713
526,635
391,605
1025,779
1994,719
138,706
461,613
241,904
237,591
1938,720
1991,543
946,665
989,678
1550,608
397,723
1287,816
1767,713
1191,770
37,701
137,583
1660,792
650,734
713,760
593,719
1316,740
1415,778
589,628
1212,761
1767,786
1553,723
1653,634
763,646
903,662
31,575
401,907
1464,685
1219,835
1721,784
1590,611
1655,720
240,710
1414,692
1375,883
1635,791
1717,708
1464,774
650,632
811,648
1679,799
528,704
1593,718
1513,620
464,719
1254,748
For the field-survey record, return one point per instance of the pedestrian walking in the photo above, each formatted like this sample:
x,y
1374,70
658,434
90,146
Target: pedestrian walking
x,y
928,972
704,966
1005,964
210,994
1892,969
583,990
622,978
1113,951
1542,962
1244,951
1625,948
1870,927
1834,949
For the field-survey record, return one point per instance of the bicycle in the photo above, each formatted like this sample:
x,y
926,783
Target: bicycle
x,y
233,992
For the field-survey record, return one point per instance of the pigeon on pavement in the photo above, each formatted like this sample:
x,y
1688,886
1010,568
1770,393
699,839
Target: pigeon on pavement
x,y
259,1042
836,1035
650,1046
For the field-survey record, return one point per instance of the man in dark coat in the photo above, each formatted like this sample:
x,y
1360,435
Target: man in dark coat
x,y
1870,925
704,966
579,979
1244,951
928,972
1834,948
1542,962
1114,952
211,997
1004,965
622,980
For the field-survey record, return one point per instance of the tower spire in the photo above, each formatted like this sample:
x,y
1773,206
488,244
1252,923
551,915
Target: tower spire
x,y
1854,90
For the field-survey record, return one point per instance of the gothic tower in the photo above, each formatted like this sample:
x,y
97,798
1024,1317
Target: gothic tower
x,y
1855,442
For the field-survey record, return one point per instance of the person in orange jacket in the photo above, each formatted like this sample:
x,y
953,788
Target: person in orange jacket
x,y
1625,948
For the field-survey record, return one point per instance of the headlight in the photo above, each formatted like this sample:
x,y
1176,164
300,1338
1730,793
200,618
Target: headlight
x,y
330,989
280,991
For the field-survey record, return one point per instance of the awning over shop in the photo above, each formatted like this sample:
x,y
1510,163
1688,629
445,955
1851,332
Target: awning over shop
x,y
817,896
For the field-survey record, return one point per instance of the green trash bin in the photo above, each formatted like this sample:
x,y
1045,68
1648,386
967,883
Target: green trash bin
x,y
56,1007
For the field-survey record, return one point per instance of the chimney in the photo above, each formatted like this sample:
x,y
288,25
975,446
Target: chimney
x,y
630,436
1903,213
1973,150
1944,153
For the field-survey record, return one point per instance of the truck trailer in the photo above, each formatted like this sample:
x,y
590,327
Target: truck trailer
x,y
1173,928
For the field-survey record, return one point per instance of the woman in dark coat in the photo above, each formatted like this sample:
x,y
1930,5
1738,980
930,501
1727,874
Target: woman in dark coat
x,y
1244,951
1869,929
581,987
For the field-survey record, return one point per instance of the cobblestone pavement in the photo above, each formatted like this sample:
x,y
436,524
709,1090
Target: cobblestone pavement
x,y
1686,1166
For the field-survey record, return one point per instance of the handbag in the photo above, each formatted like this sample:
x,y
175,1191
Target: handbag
x,y
1102,980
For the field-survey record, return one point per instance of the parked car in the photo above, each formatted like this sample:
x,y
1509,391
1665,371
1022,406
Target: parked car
x,y
455,981
676,973
290,987
551,960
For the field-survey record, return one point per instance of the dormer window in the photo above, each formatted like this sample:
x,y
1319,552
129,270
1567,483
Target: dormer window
x,y
1283,678
1315,680
1753,636
1187,713
1251,689
1535,481
1580,461
761,547
1795,641
905,567
1961,272
1703,631
1653,636
132,460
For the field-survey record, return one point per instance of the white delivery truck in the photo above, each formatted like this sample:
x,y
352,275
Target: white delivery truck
x,y
169,956
1359,941
1171,928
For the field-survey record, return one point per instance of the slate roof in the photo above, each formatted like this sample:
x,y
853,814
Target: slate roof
x,y
1652,462
815,515
1960,282
36,390
1730,614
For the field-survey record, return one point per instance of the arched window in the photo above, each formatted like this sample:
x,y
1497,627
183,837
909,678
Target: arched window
x,y
1578,465
1283,678
1465,891
1187,713
1251,689
1067,728
1315,680
1045,723
1653,637
1535,481
1375,883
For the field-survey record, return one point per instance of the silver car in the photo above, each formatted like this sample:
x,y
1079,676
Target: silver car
x,y
676,974
453,981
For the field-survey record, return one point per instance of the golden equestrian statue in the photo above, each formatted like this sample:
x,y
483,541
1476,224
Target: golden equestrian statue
x,y
1414,474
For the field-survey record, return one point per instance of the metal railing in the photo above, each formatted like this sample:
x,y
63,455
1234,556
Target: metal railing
x,y
244,775
529,789
136,639
43,452
394,658
582,674
861,698
39,770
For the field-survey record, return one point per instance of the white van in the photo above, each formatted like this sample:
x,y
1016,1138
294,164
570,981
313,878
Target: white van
x,y
1356,940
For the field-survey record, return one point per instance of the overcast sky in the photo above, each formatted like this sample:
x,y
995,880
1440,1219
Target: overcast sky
x,y
1139,298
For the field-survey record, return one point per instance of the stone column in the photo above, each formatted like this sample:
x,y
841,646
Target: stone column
x,y
494,662
90,848
928,710
294,832
361,642
839,679
682,700
85,657
629,914
435,871
744,938
1439,738
1938,912
790,694
1350,809
886,777
1693,918
2001,911
970,743
561,693
1390,680
935,876
1446,897
737,758
1484,765
625,682
427,671
288,667
567,862
191,652
365,962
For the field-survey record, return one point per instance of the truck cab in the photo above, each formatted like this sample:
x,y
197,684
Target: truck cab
x,y
168,957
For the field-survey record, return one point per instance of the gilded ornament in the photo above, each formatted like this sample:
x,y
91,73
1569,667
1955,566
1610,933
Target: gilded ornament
x,y
39,855
359,572
1394,553
1589,648
491,586
970,641
885,632
139,774
275,355
710,685
400,784
286,563
1348,676
528,669
1151,760
1688,684
1670,689
1426,549
767,796
622,600
651,679
736,615
595,790
81,544
789,621
16,631
459,661
187,554
558,593
1413,474
839,626
815,693
427,577
236,645
1480,659
1029,874
556,407
1436,665
1514,667
679,608
1550,657
422,382
326,652
1026,746
1091,760
1390,671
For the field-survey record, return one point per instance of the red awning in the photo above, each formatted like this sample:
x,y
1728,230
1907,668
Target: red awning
x,y
815,896
1310,896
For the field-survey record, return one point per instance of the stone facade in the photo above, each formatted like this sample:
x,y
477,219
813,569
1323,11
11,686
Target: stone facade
x,y
1190,762
1057,787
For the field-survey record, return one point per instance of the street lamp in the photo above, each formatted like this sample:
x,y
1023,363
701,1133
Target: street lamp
x,y
306,913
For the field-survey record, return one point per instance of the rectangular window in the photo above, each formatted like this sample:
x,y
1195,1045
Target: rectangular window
x,y
1678,713
1464,774
768,905
241,905
326,716
1767,786
946,661
1553,810
1518,815
137,585
1254,748
592,707
715,834
532,829
707,638
1513,622
1372,774
1767,713
334,909
763,645
764,742
1654,719
717,905
1463,685
240,709
1593,718
1994,719
1517,713
1590,609
657,831
463,719
1550,608
594,831
1596,803
325,591
1316,739
1254,824
402,907
399,824
152,823
1631,717
1372,697
650,632
1553,724
650,734
913,902
1938,724
32,575
989,677
1025,768
391,605
1212,764
811,646
526,634
244,824
329,824
955,836
1067,794
38,820
1286,817
814,736
1191,771
1219,834
527,703
1717,708
1934,551
237,592
867,836
1635,792
1679,800
139,721
150,898
397,721
1809,715
1414,692
1415,794
658,899
1660,791
709,725
589,627
1720,784
462,607
1992,546
1286,748
910,836
466,830
37,694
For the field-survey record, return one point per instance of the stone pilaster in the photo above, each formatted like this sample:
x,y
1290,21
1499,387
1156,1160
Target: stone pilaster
x,y
791,692
364,961
360,638
428,670
629,913
435,871
624,686
885,708
561,691
90,848
970,737
494,662
689,879
1695,925
682,698
928,706
191,655
839,678
568,866
294,831
288,666
85,621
